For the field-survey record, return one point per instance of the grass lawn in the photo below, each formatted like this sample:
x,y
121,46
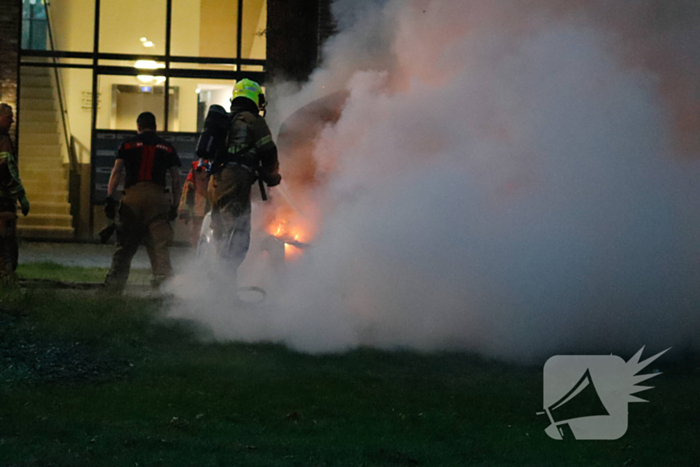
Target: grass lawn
x,y
91,381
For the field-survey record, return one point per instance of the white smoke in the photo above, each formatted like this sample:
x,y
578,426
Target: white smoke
x,y
504,178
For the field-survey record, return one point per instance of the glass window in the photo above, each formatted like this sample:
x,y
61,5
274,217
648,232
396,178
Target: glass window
x,y
132,26
254,37
34,25
184,118
72,24
204,28
230,67
123,98
77,94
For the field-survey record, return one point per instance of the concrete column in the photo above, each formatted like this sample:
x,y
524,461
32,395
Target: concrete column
x,y
292,37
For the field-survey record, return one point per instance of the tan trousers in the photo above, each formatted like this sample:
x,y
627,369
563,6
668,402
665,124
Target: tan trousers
x,y
143,216
229,196
195,229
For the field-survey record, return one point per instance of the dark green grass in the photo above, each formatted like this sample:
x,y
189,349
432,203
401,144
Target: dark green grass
x,y
164,394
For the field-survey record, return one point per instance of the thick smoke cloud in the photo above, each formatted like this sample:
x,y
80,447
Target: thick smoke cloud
x,y
511,178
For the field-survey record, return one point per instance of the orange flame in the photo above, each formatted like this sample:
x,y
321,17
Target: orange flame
x,y
288,233
292,231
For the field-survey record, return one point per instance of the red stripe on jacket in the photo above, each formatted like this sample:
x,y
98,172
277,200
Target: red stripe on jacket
x,y
146,168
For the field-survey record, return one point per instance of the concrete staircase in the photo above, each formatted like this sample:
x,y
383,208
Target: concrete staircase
x,y
41,158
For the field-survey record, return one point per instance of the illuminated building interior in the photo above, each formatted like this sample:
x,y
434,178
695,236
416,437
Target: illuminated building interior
x,y
89,66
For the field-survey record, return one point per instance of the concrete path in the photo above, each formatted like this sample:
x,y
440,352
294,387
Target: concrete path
x,y
89,254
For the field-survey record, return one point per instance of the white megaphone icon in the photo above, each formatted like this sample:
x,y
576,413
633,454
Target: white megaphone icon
x,y
586,396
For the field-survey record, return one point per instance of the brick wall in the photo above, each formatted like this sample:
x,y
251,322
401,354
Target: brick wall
x,y
10,11
296,30
292,36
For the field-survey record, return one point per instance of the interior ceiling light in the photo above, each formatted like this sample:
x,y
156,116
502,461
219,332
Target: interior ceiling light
x,y
148,44
145,78
160,79
143,39
148,65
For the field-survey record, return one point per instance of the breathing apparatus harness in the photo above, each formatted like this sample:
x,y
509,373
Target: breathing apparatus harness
x,y
212,146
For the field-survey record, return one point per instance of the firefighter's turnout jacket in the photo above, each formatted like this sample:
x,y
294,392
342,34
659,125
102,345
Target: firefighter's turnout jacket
x,y
143,212
11,191
249,143
194,203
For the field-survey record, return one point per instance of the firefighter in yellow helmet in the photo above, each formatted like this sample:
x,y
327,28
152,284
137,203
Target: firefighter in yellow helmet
x,y
245,152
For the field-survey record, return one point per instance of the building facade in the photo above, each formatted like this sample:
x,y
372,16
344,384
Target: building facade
x,y
78,72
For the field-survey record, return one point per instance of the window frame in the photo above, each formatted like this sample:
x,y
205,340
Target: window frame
x,y
50,58
26,56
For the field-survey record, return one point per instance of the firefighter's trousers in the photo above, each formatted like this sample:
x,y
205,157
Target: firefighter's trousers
x,y
229,195
8,243
195,230
143,216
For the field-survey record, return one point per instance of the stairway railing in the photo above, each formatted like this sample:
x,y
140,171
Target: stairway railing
x,y
72,159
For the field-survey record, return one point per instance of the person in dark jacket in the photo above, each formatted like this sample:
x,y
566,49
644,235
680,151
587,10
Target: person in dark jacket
x,y
11,192
145,210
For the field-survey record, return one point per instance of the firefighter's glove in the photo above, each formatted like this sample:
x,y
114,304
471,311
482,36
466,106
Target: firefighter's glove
x,y
111,207
172,213
24,203
273,180
106,233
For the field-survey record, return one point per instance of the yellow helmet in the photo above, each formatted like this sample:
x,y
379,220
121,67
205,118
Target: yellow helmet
x,y
250,90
